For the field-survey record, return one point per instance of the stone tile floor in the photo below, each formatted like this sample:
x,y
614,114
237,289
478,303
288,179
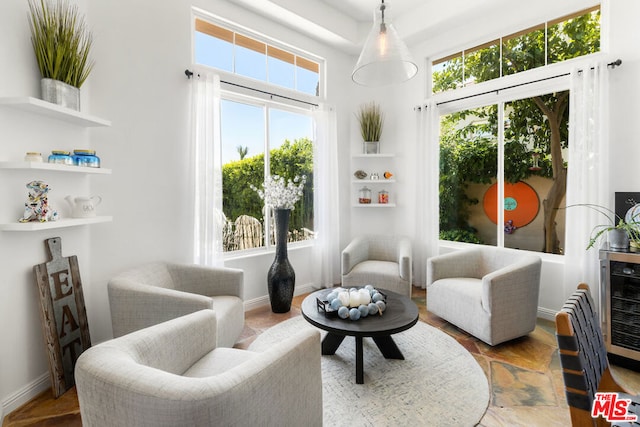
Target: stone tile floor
x,y
526,387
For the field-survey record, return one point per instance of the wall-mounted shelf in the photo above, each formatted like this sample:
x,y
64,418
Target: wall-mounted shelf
x,y
374,156
54,167
38,106
61,223
374,181
374,205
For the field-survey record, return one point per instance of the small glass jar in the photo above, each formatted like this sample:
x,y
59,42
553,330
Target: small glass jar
x,y
364,196
86,158
33,156
60,157
383,197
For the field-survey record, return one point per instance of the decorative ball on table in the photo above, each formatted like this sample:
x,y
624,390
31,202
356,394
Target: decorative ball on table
x,y
355,303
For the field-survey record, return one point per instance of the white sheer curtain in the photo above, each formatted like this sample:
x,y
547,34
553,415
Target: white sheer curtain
x,y
207,169
427,197
325,198
588,173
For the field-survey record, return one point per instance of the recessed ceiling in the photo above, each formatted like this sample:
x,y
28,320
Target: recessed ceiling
x,y
362,10
345,24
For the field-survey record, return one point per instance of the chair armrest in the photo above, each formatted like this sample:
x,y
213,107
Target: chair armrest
x,y
135,306
465,263
516,285
208,281
356,252
405,258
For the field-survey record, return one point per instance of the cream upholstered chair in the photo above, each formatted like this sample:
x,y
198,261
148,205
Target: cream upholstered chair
x,y
382,261
491,293
156,292
173,374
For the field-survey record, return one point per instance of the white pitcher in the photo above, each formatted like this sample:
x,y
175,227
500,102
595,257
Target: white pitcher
x,y
83,206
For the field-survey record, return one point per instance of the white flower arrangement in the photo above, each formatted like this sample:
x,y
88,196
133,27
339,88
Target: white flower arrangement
x,y
280,195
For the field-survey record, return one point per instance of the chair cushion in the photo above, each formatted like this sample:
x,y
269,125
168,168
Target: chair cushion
x,y
381,274
218,361
458,300
230,317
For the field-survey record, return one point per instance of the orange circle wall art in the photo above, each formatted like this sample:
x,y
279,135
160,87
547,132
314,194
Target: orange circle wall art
x,y
521,203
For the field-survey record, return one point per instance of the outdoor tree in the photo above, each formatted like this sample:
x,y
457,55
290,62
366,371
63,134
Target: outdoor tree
x,y
533,125
288,160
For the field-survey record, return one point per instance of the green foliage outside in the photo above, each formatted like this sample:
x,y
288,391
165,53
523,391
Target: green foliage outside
x,y
289,160
468,143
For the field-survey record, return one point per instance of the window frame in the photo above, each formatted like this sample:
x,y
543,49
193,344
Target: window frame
x,y
445,56
238,96
530,83
240,80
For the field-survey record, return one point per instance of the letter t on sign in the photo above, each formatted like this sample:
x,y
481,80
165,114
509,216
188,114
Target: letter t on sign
x,y
63,314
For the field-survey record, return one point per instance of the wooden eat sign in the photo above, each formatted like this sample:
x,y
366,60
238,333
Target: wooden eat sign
x,y
63,314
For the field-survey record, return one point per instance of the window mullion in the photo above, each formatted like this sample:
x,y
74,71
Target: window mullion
x,y
267,172
500,207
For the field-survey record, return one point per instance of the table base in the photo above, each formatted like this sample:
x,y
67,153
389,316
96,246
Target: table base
x,y
385,344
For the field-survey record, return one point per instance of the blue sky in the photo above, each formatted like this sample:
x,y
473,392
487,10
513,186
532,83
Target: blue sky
x,y
244,124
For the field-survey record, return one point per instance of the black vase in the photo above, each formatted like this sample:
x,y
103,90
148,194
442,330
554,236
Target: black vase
x,y
281,278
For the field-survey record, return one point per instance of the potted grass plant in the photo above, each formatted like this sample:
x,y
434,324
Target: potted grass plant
x,y
62,44
371,119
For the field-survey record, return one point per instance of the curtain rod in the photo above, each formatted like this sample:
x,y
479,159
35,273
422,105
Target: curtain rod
x,y
189,74
613,64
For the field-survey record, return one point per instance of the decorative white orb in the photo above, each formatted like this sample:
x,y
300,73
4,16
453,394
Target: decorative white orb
x,y
365,296
344,298
354,298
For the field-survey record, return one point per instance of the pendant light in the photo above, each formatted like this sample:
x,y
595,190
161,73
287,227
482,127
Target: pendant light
x,y
385,58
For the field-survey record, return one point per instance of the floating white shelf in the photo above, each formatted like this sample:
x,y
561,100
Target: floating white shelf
x,y
61,223
374,205
373,156
55,111
373,181
54,167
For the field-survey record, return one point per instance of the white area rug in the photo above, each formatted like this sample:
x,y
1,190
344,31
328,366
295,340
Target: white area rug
x,y
438,384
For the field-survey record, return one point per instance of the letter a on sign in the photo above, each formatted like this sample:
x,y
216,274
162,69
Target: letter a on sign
x,y
63,314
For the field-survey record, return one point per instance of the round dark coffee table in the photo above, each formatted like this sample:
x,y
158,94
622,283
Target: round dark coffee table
x,y
400,315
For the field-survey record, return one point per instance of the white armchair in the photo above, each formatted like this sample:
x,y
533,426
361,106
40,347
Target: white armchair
x,y
382,261
172,374
156,292
491,293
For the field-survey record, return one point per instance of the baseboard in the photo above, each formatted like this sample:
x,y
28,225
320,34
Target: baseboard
x,y
25,394
264,300
547,314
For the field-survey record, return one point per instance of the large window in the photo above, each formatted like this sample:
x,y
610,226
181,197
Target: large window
x,y
503,166
554,41
249,56
261,138
505,187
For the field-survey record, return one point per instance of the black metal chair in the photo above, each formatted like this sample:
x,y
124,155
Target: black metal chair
x,y
583,356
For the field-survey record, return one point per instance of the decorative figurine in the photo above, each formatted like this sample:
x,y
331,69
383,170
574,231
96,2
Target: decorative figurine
x,y
360,174
387,175
36,208
509,227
